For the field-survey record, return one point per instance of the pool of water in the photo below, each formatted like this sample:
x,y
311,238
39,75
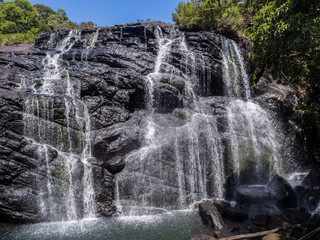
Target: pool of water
x,y
177,225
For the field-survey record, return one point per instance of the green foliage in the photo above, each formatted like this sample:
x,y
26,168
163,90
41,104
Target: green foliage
x,y
192,15
59,21
226,15
17,38
84,25
44,11
233,19
20,22
51,20
17,16
286,38
253,6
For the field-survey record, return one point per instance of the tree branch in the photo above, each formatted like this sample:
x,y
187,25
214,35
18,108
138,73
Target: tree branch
x,y
260,234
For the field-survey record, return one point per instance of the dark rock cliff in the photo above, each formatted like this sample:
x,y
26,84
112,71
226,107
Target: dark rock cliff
x,y
110,79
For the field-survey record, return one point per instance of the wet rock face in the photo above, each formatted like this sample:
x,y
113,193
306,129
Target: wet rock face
x,y
17,166
109,77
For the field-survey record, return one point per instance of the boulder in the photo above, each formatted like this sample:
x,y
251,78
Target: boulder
x,y
251,194
276,220
254,199
272,198
229,212
282,192
210,215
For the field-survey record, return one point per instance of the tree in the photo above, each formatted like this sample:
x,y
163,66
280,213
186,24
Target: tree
x,y
59,21
20,22
62,12
18,16
84,25
226,15
51,20
286,37
197,14
44,11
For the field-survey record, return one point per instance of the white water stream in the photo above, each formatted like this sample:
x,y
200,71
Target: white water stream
x,y
70,140
253,135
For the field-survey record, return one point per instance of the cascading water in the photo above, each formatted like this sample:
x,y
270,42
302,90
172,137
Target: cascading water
x,y
236,80
183,159
193,138
59,125
180,162
254,142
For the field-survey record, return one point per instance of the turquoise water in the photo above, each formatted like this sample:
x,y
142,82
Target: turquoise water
x,y
178,225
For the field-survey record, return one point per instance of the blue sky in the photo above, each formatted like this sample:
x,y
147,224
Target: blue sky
x,y
111,12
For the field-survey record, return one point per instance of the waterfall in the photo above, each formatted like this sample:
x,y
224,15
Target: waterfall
x,y
185,155
59,125
154,77
254,142
195,136
236,80
179,163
